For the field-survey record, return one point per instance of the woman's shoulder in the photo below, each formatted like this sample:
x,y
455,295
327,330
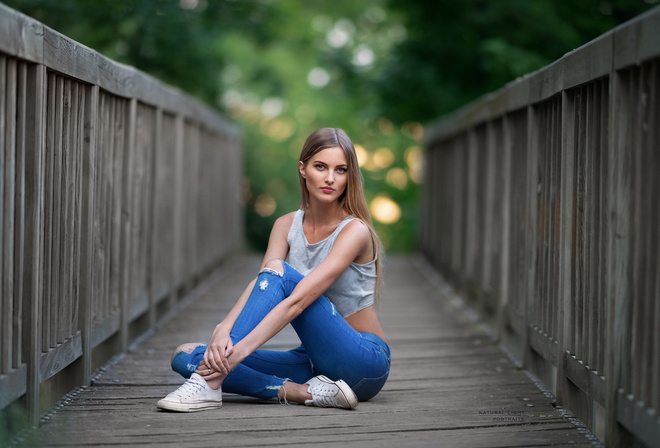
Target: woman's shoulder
x,y
355,224
356,230
357,235
287,218
283,223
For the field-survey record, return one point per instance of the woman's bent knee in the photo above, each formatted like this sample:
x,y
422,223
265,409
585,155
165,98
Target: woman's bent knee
x,y
274,265
187,357
187,348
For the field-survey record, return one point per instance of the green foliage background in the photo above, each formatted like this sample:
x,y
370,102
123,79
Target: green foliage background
x,y
377,68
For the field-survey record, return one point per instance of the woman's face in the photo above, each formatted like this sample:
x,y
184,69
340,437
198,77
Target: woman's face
x,y
325,174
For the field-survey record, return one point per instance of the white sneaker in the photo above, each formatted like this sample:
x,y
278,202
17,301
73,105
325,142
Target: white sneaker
x,y
193,395
330,394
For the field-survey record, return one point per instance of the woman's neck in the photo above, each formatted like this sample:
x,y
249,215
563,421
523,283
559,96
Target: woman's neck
x,y
318,215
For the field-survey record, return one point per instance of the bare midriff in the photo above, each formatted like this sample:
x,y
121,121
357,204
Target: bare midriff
x,y
366,321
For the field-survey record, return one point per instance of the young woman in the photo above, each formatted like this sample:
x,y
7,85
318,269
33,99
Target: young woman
x,y
326,289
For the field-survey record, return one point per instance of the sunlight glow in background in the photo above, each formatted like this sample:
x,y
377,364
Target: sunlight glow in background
x,y
385,210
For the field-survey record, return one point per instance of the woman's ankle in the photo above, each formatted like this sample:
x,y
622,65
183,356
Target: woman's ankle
x,y
293,392
215,383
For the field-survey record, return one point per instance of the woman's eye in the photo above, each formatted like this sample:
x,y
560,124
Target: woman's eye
x,y
318,166
341,170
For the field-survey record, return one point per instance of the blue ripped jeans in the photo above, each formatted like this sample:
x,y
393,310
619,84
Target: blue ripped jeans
x,y
330,346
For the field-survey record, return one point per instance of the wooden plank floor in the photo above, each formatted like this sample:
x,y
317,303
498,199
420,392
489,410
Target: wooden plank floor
x,y
450,385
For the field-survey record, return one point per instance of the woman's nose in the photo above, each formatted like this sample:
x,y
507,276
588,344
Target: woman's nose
x,y
330,179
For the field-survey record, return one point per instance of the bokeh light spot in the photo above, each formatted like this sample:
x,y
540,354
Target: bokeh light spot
x,y
265,205
383,158
397,177
413,130
362,154
278,129
414,159
385,126
272,107
318,77
385,210
363,56
341,34
188,4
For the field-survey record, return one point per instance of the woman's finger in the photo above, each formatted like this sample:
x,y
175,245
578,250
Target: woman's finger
x,y
207,374
205,360
203,371
211,362
229,349
216,360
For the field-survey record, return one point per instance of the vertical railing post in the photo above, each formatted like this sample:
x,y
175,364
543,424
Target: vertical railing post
x,y
6,211
457,208
471,230
566,247
34,144
177,211
88,181
504,267
125,286
152,252
489,240
619,192
23,324
5,305
530,231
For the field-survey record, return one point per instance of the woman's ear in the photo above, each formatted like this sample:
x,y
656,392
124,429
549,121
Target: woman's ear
x,y
301,168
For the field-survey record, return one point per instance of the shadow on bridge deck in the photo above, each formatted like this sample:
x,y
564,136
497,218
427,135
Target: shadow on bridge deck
x,y
450,385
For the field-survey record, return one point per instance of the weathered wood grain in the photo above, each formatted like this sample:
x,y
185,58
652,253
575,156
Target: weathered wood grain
x,y
580,264
20,35
450,385
78,139
7,154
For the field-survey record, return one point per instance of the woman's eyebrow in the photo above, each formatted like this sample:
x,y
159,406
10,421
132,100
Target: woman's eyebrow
x,y
325,163
345,165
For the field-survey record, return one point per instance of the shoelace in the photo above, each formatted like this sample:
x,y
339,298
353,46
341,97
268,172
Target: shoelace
x,y
324,396
188,389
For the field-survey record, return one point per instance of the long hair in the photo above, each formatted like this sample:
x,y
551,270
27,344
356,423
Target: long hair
x,y
352,199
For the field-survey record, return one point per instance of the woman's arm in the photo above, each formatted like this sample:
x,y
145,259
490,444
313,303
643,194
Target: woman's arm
x,y
352,242
277,248
220,345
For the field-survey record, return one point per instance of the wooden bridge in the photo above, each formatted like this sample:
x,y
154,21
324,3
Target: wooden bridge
x,y
530,318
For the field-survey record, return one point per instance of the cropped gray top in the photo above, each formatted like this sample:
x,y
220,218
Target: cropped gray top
x,y
354,289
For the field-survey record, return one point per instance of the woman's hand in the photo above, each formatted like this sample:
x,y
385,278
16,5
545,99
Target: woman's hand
x,y
208,373
219,349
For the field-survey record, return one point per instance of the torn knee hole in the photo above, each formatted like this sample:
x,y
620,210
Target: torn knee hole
x,y
274,265
272,271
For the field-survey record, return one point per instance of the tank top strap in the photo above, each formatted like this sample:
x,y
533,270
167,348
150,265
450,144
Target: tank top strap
x,y
343,224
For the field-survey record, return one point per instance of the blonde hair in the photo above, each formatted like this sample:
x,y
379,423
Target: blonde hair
x,y
352,199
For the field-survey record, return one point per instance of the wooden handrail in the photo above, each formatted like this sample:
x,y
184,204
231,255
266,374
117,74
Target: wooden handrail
x,y
541,208
118,194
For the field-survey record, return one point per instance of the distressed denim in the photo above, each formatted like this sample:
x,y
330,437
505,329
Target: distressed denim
x,y
330,346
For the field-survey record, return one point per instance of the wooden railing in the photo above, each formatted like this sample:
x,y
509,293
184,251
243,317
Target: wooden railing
x,y
542,211
117,193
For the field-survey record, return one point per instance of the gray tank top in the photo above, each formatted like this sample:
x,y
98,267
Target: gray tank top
x,y
354,289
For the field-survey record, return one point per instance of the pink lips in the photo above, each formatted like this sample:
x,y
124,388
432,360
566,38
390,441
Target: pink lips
x,y
327,190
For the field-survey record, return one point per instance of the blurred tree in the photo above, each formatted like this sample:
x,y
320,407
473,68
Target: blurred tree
x,y
171,40
457,50
375,68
